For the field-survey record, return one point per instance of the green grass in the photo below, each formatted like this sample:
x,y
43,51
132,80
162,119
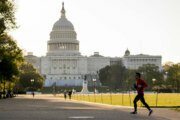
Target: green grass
x,y
176,109
164,100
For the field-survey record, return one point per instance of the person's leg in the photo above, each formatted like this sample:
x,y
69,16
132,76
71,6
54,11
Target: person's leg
x,y
135,102
143,101
146,105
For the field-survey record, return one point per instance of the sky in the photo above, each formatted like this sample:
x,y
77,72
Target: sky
x,y
106,26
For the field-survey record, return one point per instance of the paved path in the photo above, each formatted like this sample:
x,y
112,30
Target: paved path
x,y
47,107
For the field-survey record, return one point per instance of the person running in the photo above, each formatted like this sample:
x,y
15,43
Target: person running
x,y
139,86
65,94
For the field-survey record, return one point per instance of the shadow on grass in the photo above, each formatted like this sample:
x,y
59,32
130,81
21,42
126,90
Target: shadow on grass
x,y
165,106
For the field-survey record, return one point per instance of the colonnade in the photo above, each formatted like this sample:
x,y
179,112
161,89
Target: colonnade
x,y
63,46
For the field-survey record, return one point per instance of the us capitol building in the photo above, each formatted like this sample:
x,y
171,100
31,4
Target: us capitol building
x,y
64,65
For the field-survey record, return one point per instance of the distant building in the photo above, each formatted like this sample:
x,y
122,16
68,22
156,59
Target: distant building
x,y
64,65
133,62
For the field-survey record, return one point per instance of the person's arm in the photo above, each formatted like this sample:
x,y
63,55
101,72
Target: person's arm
x,y
135,86
144,84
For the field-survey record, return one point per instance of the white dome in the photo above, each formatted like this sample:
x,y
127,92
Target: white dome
x,y
63,25
127,53
63,40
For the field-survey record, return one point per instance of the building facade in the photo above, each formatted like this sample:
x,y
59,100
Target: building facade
x,y
133,62
64,64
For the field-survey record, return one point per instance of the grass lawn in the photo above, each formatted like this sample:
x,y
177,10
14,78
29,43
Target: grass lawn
x,y
176,109
162,99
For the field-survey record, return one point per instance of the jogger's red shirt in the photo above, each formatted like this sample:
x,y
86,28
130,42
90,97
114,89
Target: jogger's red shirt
x,y
141,84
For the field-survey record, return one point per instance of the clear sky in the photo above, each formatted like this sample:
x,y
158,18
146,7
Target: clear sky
x,y
107,26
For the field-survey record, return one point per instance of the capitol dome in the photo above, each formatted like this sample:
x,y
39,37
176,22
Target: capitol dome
x,y
63,24
127,53
63,38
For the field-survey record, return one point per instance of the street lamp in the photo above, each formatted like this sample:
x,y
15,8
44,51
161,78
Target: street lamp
x,y
32,82
166,73
165,79
156,93
154,80
94,80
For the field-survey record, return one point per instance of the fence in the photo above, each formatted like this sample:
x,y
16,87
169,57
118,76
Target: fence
x,y
124,99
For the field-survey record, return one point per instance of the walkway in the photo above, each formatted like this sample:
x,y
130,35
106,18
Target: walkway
x,y
48,107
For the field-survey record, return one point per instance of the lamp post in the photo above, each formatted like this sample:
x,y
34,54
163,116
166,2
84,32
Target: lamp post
x,y
153,80
165,80
94,81
166,74
32,82
156,92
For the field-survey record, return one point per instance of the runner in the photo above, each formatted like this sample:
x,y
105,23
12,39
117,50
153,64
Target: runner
x,y
139,86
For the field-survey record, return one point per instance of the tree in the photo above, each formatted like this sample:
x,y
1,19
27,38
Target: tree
x,y
149,72
27,73
7,18
166,67
10,58
173,77
10,54
118,77
131,80
104,75
114,76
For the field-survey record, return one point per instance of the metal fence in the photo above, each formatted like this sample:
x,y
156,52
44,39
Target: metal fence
x,y
126,99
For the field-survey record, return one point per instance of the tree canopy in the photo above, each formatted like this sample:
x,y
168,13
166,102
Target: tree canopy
x,y
118,77
114,76
150,72
173,77
10,57
28,73
7,18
